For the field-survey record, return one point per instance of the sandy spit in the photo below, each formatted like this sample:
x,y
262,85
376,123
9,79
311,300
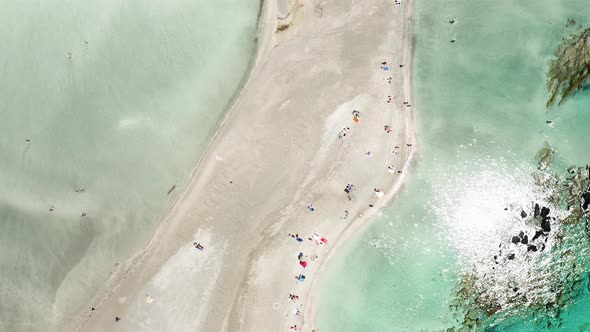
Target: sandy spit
x,y
276,152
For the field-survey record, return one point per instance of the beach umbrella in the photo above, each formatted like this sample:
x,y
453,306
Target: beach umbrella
x,y
303,263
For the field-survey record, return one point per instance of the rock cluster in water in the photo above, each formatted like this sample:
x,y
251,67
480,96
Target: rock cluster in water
x,y
544,156
570,69
538,269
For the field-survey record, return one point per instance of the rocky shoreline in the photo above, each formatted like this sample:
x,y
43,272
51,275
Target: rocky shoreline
x,y
541,266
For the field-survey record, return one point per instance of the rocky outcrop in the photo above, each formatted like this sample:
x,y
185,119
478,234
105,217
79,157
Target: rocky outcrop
x,y
541,265
570,69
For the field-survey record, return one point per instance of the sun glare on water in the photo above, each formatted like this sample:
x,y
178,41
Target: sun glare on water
x,y
476,206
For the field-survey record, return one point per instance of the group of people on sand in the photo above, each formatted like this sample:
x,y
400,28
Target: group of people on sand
x,y
348,189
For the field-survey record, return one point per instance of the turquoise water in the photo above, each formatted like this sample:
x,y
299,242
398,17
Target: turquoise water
x,y
118,99
481,120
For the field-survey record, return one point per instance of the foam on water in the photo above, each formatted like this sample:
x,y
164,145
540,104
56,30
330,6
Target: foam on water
x,y
118,100
481,120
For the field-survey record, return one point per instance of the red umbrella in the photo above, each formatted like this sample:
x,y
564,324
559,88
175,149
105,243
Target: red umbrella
x,y
303,263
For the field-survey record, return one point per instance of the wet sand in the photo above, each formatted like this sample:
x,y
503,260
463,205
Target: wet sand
x,y
276,152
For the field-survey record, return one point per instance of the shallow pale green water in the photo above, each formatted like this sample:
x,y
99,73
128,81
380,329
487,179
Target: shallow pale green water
x,y
481,120
125,118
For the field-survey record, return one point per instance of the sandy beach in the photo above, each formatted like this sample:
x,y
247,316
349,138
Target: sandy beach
x,y
280,148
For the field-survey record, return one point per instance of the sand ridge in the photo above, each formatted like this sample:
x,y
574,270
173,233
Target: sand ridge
x,y
276,152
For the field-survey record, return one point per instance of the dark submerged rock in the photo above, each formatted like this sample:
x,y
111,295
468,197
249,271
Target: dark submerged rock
x,y
537,235
545,212
586,202
546,225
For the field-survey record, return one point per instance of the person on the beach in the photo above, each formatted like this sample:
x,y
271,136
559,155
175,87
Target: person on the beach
x,y
387,129
379,193
356,116
369,154
348,188
310,207
343,132
345,215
